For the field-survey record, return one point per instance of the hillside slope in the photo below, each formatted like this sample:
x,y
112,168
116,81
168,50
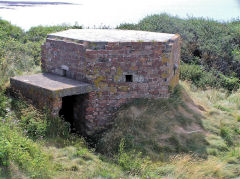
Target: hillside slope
x,y
158,126
194,134
200,127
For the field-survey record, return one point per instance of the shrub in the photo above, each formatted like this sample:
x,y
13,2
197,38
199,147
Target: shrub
x,y
37,124
34,51
130,161
193,73
229,83
13,59
203,79
8,30
3,104
22,151
21,51
57,127
4,152
39,33
212,44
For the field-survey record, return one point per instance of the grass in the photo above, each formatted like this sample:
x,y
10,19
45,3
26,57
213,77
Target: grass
x,y
186,136
192,122
193,134
157,126
21,152
33,147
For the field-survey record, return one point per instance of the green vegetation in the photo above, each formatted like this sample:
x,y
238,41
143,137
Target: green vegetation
x,y
193,134
37,146
20,51
195,126
214,47
16,149
203,79
175,125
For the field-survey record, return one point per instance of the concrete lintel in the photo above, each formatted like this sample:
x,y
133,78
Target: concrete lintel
x,y
51,85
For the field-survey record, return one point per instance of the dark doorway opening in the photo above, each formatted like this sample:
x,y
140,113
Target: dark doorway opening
x,y
67,111
73,111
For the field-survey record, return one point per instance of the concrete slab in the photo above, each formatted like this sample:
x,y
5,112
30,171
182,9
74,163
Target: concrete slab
x,y
111,35
52,85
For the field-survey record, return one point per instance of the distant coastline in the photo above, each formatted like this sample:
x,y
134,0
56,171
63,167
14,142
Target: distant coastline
x,y
12,4
107,13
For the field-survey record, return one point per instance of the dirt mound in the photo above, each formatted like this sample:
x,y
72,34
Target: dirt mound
x,y
157,127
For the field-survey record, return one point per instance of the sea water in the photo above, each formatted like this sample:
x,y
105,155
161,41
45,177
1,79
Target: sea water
x,y
97,13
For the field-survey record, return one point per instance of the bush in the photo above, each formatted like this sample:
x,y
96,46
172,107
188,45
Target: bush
x,y
37,124
4,152
22,151
130,161
57,127
8,31
229,83
34,51
193,73
21,51
3,104
212,44
39,33
238,118
14,59
203,79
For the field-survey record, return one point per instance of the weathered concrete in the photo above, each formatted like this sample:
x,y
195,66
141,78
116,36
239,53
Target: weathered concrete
x,y
52,85
113,35
46,90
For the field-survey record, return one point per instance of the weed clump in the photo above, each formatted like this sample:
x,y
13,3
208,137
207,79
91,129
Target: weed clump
x,y
38,125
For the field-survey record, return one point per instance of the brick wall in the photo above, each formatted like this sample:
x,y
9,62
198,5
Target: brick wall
x,y
153,68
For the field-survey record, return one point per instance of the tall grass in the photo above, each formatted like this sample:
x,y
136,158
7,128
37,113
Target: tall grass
x,y
193,134
157,128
